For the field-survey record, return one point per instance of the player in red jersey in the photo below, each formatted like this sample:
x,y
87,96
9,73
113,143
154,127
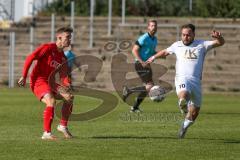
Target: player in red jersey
x,y
48,58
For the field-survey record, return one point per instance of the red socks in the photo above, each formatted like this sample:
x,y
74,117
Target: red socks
x,y
66,112
48,115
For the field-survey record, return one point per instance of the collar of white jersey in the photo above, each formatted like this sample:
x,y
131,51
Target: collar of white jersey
x,y
190,45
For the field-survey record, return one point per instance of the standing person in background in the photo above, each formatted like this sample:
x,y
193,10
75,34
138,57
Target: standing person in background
x,y
68,52
143,48
72,61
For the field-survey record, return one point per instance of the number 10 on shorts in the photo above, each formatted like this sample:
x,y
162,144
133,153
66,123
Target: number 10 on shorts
x,y
182,86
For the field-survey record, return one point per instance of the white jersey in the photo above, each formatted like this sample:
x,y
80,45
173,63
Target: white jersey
x,y
189,59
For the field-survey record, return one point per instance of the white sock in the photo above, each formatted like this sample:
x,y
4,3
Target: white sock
x,y
187,123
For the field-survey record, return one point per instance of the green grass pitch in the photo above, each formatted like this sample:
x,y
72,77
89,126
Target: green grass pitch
x,y
119,134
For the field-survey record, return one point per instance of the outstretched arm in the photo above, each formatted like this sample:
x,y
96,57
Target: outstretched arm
x,y
218,39
33,56
162,53
27,64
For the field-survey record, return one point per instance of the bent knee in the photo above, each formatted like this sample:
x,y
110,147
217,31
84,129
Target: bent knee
x,y
49,100
69,98
184,95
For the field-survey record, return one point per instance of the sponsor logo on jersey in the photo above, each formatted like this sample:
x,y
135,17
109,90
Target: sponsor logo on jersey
x,y
54,64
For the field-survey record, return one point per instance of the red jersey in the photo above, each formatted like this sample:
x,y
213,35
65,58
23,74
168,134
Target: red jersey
x,y
48,59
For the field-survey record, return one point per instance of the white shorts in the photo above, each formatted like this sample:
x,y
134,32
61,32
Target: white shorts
x,y
192,86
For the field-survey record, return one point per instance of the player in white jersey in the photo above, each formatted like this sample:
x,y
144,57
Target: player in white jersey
x,y
190,56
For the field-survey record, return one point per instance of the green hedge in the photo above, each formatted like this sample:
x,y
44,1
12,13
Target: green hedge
x,y
200,8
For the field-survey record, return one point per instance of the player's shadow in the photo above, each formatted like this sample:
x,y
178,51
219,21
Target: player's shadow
x,y
229,141
232,141
132,137
212,113
215,139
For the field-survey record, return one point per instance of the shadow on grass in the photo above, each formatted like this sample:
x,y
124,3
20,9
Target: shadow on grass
x,y
166,137
232,141
131,137
212,113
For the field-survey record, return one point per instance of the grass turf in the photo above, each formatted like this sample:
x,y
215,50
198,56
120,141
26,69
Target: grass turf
x,y
119,134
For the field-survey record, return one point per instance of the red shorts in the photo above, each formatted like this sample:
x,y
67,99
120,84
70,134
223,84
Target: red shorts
x,y
42,88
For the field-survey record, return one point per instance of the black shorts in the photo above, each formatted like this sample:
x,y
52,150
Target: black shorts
x,y
145,73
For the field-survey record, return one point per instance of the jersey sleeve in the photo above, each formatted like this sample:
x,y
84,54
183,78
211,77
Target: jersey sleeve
x,y
208,45
38,53
71,56
141,40
171,49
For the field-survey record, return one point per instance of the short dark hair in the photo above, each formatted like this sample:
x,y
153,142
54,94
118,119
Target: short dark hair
x,y
152,20
64,29
191,26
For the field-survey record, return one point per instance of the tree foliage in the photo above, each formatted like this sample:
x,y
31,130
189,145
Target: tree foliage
x,y
200,8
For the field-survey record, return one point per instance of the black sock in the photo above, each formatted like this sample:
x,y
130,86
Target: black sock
x,y
139,99
138,89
